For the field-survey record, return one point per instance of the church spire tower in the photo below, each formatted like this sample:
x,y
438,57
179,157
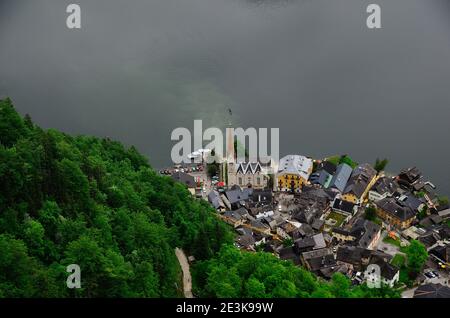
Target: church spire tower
x,y
230,140
228,167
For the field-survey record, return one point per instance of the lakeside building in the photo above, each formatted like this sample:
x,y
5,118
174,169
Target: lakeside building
x,y
361,180
293,173
399,216
340,178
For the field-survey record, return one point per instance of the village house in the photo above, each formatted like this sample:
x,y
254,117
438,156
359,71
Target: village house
x,y
254,210
246,241
264,214
344,207
260,238
310,243
384,187
328,271
366,233
324,174
304,230
408,177
444,232
318,225
184,178
361,180
258,226
216,201
413,233
309,213
322,178
396,215
340,178
357,258
260,196
429,239
293,173
225,201
233,218
342,235
431,221
363,233
327,166
441,253
409,200
285,230
318,259
387,275
237,197
310,205
288,253
444,214
271,222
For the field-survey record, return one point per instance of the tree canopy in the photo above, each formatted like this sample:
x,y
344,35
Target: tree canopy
x,y
95,203
380,164
417,255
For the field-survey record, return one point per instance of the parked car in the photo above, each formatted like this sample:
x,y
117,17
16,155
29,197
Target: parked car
x,y
430,275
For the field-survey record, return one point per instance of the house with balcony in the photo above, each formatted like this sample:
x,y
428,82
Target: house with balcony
x,y
394,213
293,172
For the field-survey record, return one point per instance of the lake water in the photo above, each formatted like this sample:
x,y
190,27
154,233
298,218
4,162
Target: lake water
x,y
138,69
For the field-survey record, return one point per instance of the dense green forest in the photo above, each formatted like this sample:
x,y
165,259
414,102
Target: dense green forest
x,y
93,202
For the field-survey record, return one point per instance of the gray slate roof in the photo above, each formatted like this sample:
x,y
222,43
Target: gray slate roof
x,y
391,206
359,179
364,231
185,178
340,178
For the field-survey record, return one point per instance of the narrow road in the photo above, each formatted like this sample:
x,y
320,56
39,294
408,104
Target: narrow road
x,y
187,281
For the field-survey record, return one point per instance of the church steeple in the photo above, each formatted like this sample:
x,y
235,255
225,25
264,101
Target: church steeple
x,y
230,140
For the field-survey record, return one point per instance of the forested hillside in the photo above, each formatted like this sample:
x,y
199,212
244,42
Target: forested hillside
x,y
262,275
91,202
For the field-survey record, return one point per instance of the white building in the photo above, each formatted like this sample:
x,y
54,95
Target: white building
x,y
293,172
381,273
